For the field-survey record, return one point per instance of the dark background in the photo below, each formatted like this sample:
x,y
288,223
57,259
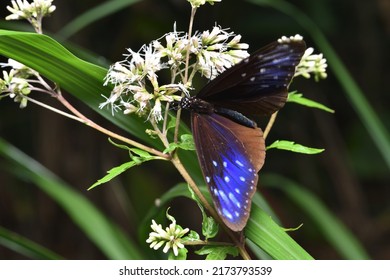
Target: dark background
x,y
350,177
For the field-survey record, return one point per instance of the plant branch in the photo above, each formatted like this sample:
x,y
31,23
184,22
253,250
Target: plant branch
x,y
209,243
185,79
83,119
270,124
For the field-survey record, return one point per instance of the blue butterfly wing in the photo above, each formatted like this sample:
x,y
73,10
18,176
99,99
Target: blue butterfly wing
x,y
228,167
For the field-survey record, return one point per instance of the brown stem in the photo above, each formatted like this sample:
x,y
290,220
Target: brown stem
x,y
90,123
270,124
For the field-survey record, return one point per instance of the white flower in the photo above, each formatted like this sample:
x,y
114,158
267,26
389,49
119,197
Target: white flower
x,y
20,70
171,236
312,64
15,87
216,53
136,80
25,10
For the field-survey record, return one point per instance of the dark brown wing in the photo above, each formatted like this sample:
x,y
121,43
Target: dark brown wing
x,y
257,85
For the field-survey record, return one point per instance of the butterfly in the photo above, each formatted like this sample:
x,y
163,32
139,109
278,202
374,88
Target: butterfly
x,y
229,145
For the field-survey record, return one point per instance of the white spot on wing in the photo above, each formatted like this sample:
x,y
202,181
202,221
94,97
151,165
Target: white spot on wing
x,y
215,163
227,214
240,163
234,200
208,179
227,179
242,179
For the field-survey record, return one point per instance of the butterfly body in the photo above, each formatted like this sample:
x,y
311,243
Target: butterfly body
x,y
200,106
230,146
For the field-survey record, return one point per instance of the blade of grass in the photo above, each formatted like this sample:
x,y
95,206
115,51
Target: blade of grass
x,y
366,113
333,230
94,14
106,236
25,247
271,238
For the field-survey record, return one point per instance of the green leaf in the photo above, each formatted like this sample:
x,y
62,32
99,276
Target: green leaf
x,y
143,154
299,99
181,256
171,123
271,238
186,143
217,252
333,230
94,14
191,236
210,227
25,247
114,172
107,236
142,157
293,147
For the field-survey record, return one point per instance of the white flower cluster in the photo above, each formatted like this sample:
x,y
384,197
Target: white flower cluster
x,y
21,9
135,80
312,64
14,83
171,236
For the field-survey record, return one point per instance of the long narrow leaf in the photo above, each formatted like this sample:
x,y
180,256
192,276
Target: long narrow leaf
x,y
107,236
105,9
333,230
298,98
25,247
293,147
271,238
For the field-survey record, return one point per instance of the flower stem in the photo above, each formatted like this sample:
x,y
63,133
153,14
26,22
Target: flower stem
x,y
185,79
193,11
270,124
83,119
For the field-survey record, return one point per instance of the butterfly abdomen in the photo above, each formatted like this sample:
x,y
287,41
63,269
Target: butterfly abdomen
x,y
236,116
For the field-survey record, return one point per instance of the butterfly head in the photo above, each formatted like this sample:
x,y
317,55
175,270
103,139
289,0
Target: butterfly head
x,y
196,105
